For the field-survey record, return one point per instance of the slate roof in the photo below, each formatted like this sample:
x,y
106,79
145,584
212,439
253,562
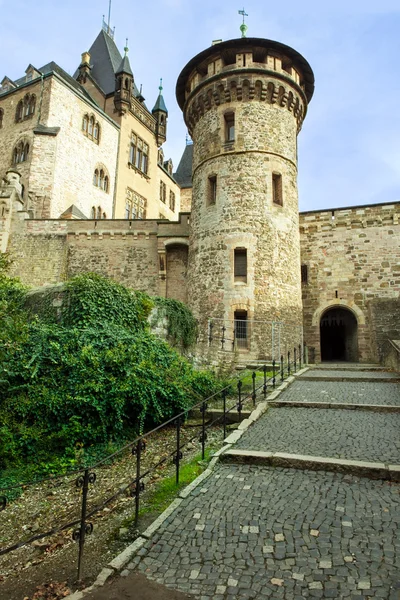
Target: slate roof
x,y
74,212
105,58
160,104
125,66
52,67
183,175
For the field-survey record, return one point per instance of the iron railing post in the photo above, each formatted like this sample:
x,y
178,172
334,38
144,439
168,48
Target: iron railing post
x,y
281,367
203,409
239,405
224,406
265,381
294,359
223,337
254,395
273,374
300,357
288,363
178,456
85,528
137,450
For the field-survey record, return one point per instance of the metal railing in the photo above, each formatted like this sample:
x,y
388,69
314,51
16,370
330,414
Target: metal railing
x,y
268,338
233,401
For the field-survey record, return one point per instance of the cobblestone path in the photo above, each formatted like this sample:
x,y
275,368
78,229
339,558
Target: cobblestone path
x,y
350,434
347,374
266,532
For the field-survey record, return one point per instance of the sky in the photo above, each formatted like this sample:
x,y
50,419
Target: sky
x,y
349,146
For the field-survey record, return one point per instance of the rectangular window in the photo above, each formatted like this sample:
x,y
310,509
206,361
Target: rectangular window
x,y
212,190
172,200
240,264
304,274
277,189
163,192
127,210
229,127
139,154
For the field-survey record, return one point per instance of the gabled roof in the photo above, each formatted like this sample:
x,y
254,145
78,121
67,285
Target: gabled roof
x,y
183,175
73,212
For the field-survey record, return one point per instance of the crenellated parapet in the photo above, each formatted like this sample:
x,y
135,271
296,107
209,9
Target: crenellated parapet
x,y
243,70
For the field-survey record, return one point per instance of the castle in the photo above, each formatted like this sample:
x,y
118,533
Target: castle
x,y
223,233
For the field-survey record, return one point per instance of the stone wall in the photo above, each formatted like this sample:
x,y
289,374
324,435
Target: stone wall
x,y
352,257
51,251
77,156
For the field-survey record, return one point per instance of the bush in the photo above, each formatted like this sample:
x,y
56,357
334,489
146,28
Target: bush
x,y
97,377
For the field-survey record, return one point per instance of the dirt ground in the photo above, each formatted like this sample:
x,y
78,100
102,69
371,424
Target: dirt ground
x,y
136,587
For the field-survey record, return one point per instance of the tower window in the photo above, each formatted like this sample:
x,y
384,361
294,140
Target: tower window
x,y
240,326
304,274
277,189
229,127
212,190
240,264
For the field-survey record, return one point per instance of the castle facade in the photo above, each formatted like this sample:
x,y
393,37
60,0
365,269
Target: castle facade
x,y
260,278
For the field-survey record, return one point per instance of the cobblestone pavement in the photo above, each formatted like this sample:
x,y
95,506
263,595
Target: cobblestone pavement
x,y
352,392
262,532
345,373
350,434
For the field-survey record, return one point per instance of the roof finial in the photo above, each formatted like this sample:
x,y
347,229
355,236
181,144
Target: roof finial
x,y
109,17
160,86
126,49
243,27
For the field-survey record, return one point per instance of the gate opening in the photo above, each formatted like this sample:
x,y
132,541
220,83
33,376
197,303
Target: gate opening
x,y
339,336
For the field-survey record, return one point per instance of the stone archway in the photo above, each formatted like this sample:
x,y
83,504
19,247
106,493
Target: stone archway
x,y
339,335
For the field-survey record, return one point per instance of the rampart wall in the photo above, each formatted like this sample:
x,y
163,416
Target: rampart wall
x,y
352,257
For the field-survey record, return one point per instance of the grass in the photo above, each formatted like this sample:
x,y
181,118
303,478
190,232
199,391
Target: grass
x,y
167,490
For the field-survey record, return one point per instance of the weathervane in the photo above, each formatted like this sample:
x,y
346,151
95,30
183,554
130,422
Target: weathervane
x,y
243,27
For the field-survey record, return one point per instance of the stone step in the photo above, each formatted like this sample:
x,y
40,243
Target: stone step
x,y
336,405
342,377
372,470
348,367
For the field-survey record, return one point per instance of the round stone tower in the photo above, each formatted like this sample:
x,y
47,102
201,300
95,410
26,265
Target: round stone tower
x,y
244,102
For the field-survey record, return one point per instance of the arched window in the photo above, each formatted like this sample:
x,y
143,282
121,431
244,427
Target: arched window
x,y
26,106
1,117
105,184
127,84
20,153
104,216
85,124
96,178
101,180
99,212
96,132
93,212
19,112
32,104
91,126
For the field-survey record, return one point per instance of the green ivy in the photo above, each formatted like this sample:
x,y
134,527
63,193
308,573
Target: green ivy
x,y
182,326
94,377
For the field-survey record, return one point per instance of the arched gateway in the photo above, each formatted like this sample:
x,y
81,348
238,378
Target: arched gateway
x,y
339,335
